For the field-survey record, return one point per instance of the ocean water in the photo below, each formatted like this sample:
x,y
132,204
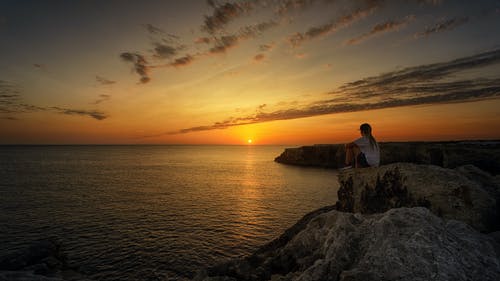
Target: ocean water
x,y
153,212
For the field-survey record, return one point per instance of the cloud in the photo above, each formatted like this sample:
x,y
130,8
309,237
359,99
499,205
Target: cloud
x,y
266,47
259,57
203,40
104,81
11,103
441,26
153,30
9,118
98,115
102,98
140,65
9,98
431,2
380,28
424,84
298,38
286,6
223,43
183,61
164,51
224,13
39,65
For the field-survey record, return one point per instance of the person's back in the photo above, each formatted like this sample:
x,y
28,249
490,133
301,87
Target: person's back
x,y
370,150
363,152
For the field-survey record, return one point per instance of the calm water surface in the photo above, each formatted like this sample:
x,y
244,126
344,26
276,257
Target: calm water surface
x,y
153,212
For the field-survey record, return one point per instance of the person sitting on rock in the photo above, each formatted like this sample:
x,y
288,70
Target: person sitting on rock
x,y
363,152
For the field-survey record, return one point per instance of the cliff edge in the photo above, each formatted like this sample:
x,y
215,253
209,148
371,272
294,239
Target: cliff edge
x,y
400,244
401,221
482,154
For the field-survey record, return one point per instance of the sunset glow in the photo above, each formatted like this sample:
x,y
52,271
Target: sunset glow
x,y
219,72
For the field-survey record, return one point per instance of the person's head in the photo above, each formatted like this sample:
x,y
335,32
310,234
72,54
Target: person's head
x,y
365,129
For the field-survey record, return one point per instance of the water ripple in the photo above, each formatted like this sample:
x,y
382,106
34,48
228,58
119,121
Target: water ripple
x,y
153,212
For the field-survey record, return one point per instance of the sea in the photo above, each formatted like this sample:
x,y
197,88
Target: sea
x,y
158,212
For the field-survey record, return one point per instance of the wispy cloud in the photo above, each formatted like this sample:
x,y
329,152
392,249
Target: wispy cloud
x,y
102,98
40,66
317,31
11,103
164,51
387,26
183,61
224,29
425,84
140,65
259,57
103,81
224,13
442,25
98,115
153,30
266,47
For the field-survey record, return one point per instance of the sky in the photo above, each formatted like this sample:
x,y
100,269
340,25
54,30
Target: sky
x,y
292,72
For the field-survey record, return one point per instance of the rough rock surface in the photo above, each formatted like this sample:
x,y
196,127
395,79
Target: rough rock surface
x,y
43,260
400,244
482,154
466,193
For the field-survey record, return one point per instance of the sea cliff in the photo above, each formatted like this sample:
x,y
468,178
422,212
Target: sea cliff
x,y
435,217
482,154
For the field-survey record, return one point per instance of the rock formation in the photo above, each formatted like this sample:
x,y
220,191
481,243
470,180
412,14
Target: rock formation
x,y
400,244
482,154
400,221
42,260
465,193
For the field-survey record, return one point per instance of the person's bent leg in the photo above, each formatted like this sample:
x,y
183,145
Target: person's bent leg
x,y
349,156
351,153
355,153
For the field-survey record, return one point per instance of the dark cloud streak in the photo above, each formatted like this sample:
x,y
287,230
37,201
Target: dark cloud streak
x,y
387,26
140,65
425,84
358,13
11,102
104,81
442,26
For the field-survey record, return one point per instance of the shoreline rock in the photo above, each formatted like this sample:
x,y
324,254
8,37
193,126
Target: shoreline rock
x,y
43,260
465,193
402,221
482,154
400,244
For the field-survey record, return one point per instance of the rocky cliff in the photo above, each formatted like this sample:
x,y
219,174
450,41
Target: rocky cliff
x,y
466,193
41,261
400,221
482,154
400,244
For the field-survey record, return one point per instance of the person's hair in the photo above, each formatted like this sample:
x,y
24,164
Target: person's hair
x,y
366,130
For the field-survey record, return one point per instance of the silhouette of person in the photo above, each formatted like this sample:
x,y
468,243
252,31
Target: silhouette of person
x,y
363,152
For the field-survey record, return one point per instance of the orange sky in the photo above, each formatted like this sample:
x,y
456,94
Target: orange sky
x,y
279,72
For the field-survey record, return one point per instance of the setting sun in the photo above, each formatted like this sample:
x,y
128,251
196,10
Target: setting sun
x,y
249,141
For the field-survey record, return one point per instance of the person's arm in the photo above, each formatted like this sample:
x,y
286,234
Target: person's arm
x,y
350,145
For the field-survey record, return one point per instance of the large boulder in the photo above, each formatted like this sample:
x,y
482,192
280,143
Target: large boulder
x,y
466,193
401,244
42,260
482,154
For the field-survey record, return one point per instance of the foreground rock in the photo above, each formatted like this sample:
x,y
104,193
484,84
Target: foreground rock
x,y
466,193
43,260
401,244
482,154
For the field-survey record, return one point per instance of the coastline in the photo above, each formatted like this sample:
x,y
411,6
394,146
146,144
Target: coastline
x,y
425,211
436,219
